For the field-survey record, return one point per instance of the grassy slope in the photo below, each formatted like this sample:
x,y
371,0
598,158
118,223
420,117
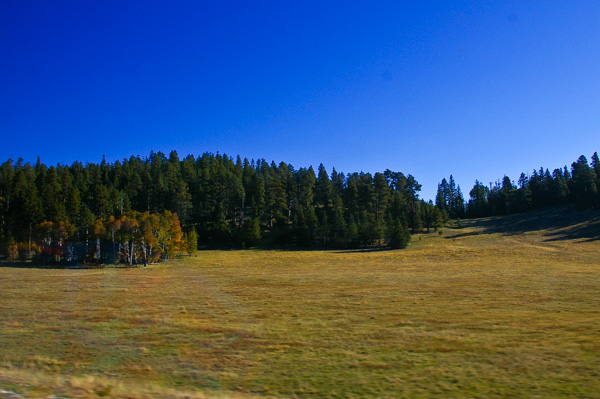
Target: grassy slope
x,y
478,312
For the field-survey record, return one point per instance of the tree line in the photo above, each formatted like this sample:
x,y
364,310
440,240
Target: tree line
x,y
578,187
141,210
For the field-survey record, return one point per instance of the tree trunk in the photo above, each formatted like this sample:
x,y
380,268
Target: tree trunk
x,y
145,255
29,248
130,255
98,253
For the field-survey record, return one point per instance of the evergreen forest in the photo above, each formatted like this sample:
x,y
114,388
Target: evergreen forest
x,y
577,187
145,209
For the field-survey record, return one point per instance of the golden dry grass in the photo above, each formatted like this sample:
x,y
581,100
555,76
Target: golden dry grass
x,y
471,313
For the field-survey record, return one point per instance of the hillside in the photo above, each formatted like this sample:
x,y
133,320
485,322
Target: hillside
x,y
549,224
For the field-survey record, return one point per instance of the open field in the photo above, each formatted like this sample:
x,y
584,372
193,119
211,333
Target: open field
x,y
486,310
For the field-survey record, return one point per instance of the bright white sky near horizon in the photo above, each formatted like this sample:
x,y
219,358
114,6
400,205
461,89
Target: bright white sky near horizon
x,y
429,88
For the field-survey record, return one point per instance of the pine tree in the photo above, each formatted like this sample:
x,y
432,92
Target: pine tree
x,y
352,231
411,193
431,216
324,229
51,191
286,173
73,205
560,188
523,195
301,229
323,191
507,193
596,169
538,191
338,182
27,207
398,235
275,201
450,197
339,224
252,233
351,196
101,201
585,192
440,197
382,195
459,203
478,202
7,176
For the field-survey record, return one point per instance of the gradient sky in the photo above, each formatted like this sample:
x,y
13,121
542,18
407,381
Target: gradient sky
x,y
477,89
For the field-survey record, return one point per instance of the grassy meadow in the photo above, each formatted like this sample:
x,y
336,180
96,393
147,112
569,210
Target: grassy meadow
x,y
493,309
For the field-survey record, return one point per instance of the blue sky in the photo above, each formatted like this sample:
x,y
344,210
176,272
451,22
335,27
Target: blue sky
x,y
477,89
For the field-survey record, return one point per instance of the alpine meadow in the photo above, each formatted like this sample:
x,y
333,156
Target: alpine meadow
x,y
500,307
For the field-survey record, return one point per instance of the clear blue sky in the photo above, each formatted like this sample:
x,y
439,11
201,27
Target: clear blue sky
x,y
431,88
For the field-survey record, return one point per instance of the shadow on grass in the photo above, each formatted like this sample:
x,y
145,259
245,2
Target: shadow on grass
x,y
296,248
33,265
361,250
556,223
